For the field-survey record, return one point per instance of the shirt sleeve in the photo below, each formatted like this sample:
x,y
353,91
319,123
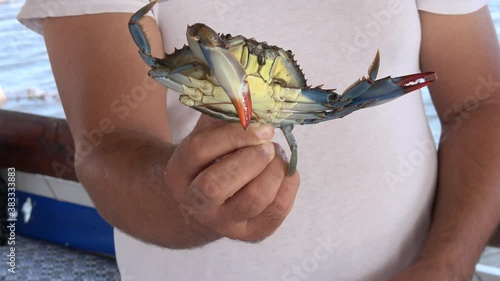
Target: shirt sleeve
x,y
34,11
451,7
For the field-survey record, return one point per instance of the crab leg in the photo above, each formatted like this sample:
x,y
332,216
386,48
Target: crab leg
x,y
138,34
292,143
368,92
387,89
380,92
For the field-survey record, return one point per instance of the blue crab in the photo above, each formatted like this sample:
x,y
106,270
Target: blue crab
x,y
238,79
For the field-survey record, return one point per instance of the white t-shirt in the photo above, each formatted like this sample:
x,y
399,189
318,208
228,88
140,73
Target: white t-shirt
x,y
368,180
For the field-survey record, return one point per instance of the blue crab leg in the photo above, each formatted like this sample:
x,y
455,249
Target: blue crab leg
x,y
292,143
366,92
381,91
370,92
138,34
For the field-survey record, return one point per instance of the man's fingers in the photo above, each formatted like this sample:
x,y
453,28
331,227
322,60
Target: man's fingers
x,y
271,218
210,141
205,146
224,178
251,200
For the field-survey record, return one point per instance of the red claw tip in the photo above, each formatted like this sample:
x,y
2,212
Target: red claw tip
x,y
416,81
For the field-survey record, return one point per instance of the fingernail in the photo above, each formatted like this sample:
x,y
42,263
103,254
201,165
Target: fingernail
x,y
265,132
268,148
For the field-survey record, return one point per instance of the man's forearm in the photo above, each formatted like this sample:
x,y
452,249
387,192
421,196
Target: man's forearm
x,y
124,177
467,207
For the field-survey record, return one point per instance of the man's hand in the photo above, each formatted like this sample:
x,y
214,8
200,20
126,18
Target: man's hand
x,y
232,181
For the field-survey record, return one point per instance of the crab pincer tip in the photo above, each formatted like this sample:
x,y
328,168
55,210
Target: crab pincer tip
x,y
242,102
244,108
243,115
416,81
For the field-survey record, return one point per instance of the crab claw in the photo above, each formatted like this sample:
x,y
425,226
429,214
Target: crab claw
x,y
370,92
207,46
389,88
414,82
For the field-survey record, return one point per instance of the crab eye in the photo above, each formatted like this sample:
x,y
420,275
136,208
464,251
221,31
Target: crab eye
x,y
196,38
